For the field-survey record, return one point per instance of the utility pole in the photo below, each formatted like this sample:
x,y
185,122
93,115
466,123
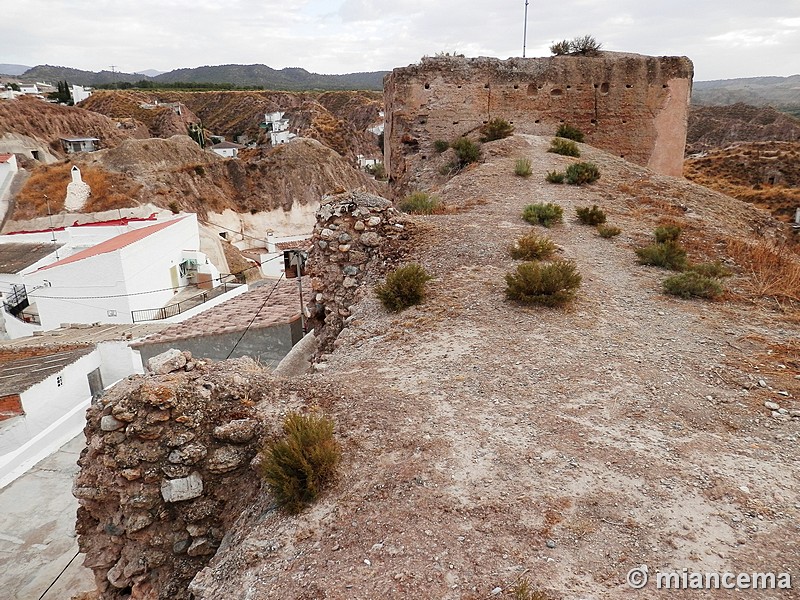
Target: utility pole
x,y
293,262
525,30
52,230
114,73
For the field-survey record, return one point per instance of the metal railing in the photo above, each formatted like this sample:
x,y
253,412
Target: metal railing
x,y
171,310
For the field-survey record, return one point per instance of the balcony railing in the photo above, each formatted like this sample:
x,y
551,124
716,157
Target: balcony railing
x,y
171,310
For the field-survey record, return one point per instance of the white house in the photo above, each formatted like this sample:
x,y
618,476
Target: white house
x,y
364,162
80,144
29,89
227,149
44,393
8,169
108,282
79,93
278,128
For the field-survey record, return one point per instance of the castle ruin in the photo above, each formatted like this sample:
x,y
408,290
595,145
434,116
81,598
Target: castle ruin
x,y
632,105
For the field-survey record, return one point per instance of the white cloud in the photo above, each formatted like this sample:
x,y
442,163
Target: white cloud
x,y
724,39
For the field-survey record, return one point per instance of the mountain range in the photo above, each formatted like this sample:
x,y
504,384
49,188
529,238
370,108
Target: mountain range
x,y
290,79
782,93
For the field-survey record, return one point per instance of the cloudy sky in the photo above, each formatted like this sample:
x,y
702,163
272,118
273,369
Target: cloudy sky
x,y
724,38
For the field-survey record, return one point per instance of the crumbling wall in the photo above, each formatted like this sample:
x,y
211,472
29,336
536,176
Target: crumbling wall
x,y
634,106
165,471
356,235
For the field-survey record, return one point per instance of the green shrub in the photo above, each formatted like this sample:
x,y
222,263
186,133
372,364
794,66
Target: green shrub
x,y
448,169
532,247
299,465
667,233
199,170
667,255
174,207
608,231
419,203
378,171
523,167
555,177
466,150
591,216
441,145
560,48
569,132
552,284
585,45
582,172
715,270
564,147
691,284
403,287
543,214
496,129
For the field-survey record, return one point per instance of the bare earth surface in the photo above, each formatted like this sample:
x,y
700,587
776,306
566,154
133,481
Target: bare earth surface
x,y
486,442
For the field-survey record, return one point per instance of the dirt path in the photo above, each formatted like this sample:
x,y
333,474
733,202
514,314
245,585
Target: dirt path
x,y
487,442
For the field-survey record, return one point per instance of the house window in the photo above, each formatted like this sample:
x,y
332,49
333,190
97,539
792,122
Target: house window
x,y
59,381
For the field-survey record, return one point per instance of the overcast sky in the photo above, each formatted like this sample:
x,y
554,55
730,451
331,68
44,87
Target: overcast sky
x,y
724,38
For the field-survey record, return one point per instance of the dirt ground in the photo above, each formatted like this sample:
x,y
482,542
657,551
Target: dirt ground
x,y
486,443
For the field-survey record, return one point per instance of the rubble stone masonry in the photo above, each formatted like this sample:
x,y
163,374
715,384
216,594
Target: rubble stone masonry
x,y
632,105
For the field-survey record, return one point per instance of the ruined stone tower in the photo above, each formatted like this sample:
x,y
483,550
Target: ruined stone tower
x,y
632,105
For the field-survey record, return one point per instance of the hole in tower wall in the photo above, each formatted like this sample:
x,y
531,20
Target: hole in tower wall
x,y
486,86
516,87
556,92
427,86
665,86
604,88
628,86
594,121
538,121
532,90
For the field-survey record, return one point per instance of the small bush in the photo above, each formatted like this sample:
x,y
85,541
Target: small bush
x,y
419,203
441,145
532,247
199,170
667,233
403,287
585,45
496,129
608,231
448,169
543,214
551,284
564,147
580,173
692,285
523,167
569,132
378,171
555,177
174,207
560,48
591,216
298,466
667,255
523,591
715,270
466,150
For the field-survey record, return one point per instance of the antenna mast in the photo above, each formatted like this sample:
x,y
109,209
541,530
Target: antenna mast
x,y
525,30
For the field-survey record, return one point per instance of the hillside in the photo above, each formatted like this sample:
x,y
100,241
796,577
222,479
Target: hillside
x,y
176,173
716,127
237,75
780,92
338,119
48,122
766,174
486,443
748,152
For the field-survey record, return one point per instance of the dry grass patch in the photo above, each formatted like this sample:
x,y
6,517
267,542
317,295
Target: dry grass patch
x,y
771,270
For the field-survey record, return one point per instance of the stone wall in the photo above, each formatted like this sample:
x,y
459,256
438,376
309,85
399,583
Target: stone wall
x,y
356,233
634,106
165,471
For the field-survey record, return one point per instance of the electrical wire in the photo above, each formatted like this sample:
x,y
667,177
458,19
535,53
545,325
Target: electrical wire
x,y
44,593
255,316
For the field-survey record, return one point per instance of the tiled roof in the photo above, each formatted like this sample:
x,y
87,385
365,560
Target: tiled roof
x,y
17,256
115,243
301,244
226,145
237,313
17,376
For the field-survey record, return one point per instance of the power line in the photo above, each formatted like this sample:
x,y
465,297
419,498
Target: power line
x,y
44,593
246,329
188,285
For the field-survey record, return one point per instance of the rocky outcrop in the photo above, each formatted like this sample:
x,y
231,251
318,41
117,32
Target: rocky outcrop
x,y
631,105
355,234
165,471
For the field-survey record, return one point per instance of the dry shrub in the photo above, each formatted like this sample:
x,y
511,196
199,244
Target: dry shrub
x,y
404,287
554,284
772,271
109,190
298,466
46,183
691,284
532,247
